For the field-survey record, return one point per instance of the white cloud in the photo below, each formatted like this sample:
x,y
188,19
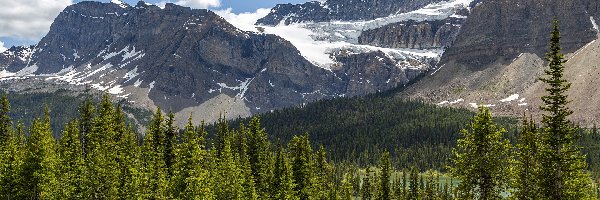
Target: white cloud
x,y
29,19
199,3
243,21
2,48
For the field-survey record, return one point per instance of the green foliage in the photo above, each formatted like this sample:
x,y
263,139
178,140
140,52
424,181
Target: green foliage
x,y
481,159
191,177
525,165
302,165
283,183
385,191
562,166
359,129
71,163
154,169
41,162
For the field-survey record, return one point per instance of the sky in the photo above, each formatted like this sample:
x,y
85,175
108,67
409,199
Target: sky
x,y
25,22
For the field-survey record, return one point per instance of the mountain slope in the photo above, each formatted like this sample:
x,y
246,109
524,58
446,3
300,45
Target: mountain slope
x,y
189,61
497,58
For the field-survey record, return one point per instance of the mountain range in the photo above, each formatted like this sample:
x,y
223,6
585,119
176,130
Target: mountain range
x,y
459,53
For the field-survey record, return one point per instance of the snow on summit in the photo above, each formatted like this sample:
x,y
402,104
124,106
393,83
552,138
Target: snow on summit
x,y
317,41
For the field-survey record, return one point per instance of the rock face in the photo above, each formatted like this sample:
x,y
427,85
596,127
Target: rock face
x,y
498,57
414,35
505,28
344,10
187,61
15,58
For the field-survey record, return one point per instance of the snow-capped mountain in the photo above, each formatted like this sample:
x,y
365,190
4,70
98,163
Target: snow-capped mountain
x,y
194,61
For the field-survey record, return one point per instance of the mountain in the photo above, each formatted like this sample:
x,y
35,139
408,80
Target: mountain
x,y
498,56
340,10
194,61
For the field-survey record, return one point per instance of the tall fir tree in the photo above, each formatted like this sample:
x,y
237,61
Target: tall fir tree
x,y
72,164
302,165
101,160
385,164
128,158
228,174
41,161
191,178
413,187
11,155
283,184
154,170
367,193
346,188
170,140
526,165
259,154
481,158
86,122
562,167
323,174
5,119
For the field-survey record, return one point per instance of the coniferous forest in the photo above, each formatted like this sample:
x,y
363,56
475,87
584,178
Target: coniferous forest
x,y
385,150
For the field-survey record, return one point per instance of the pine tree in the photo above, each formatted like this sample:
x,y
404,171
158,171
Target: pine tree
x,y
72,164
367,194
481,158
228,174
170,136
11,155
302,166
41,161
323,173
154,171
128,158
346,188
525,165
86,122
102,177
283,185
385,191
562,174
5,120
191,178
259,154
413,188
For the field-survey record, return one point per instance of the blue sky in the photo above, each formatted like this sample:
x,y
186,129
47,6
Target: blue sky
x,y
14,32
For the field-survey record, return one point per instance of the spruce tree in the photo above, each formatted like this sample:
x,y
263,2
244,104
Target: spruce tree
x,y
413,187
283,185
128,158
191,178
323,174
385,191
562,173
41,162
260,159
302,166
367,193
5,120
154,170
72,164
102,177
228,175
525,165
481,158
346,188
86,122
11,155
170,140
